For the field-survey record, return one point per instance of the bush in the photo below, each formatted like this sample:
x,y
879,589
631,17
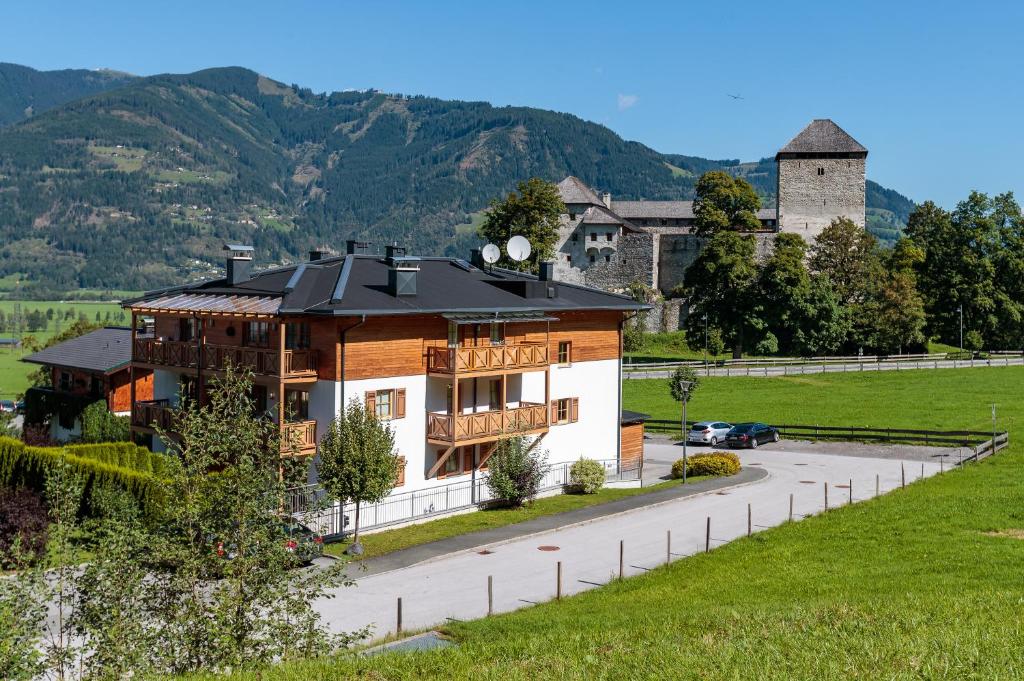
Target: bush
x,y
710,463
587,475
99,425
516,471
22,515
97,466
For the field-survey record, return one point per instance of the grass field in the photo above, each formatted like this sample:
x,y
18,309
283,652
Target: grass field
x,y
379,543
13,372
923,583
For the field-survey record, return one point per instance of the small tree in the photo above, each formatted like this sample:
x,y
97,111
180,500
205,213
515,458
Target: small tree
x,y
682,384
516,470
587,475
358,461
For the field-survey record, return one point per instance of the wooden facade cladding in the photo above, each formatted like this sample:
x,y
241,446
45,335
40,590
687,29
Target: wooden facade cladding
x,y
391,346
632,452
115,387
594,335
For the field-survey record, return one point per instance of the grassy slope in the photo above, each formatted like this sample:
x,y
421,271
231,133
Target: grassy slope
x,y
379,543
13,372
909,585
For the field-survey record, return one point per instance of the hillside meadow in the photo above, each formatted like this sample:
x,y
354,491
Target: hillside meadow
x,y
922,583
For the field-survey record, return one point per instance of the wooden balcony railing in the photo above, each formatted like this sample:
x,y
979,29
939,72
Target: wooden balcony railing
x,y
299,434
529,417
487,358
263,361
153,414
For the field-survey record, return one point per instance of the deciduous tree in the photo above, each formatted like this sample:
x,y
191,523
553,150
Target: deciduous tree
x,y
533,213
723,202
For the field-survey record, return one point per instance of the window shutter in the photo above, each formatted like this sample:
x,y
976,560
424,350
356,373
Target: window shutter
x,y
554,411
400,403
371,401
401,472
574,410
467,459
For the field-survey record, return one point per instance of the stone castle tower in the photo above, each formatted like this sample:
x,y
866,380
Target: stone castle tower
x,y
821,177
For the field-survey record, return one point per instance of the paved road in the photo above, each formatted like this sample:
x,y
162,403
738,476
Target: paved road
x,y
846,367
455,585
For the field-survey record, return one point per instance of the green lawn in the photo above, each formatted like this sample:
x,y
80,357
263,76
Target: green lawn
x,y
379,543
930,398
13,372
923,583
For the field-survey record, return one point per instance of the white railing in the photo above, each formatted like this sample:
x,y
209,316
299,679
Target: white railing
x,y
333,520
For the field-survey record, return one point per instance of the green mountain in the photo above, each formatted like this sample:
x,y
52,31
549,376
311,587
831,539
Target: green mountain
x,y
140,185
26,92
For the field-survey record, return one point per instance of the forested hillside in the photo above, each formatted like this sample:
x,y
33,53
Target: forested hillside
x,y
25,92
140,185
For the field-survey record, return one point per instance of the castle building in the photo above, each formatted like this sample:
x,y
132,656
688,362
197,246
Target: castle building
x,y
611,244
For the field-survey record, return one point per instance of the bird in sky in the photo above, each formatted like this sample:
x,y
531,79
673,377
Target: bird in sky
x,y
733,96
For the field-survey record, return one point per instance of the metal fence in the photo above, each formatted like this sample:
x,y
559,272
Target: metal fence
x,y
333,520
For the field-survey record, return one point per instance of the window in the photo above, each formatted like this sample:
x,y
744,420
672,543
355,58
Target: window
x,y
607,258
565,410
593,258
568,259
187,328
400,480
256,334
296,405
664,223
608,236
259,399
451,464
572,216
386,404
188,388
95,386
494,394
497,334
65,381
296,336
453,334
821,171
564,352
593,236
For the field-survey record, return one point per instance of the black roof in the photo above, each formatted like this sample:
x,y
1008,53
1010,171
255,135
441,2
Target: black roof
x,y
634,416
358,284
102,350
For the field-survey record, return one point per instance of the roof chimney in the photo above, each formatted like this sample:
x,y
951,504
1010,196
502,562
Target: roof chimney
x,y
318,254
606,198
402,275
547,271
353,247
392,252
239,264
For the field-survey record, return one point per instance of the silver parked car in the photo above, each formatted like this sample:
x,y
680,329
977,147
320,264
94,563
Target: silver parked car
x,y
708,432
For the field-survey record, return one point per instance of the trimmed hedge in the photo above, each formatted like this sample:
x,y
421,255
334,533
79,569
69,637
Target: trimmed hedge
x,y
586,476
98,467
709,463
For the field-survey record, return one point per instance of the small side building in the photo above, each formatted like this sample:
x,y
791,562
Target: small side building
x,y
631,432
94,366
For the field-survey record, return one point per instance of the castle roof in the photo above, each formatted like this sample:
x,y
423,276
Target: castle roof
x,y
573,190
654,209
822,136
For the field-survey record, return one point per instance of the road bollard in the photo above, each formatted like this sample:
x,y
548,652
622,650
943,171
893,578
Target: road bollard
x,y
668,546
707,536
558,587
622,560
490,595
851,490
826,496
750,522
398,627
903,476
877,485
791,507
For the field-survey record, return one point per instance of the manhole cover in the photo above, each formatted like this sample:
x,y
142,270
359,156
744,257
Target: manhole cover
x,y
755,464
722,494
485,552
799,464
807,482
842,486
547,548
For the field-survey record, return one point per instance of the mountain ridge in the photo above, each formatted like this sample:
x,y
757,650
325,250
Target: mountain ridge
x,y
168,167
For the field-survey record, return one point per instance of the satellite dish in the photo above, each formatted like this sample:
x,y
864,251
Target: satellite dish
x,y
491,254
518,248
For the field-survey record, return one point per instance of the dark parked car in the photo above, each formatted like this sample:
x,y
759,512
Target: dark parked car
x,y
751,435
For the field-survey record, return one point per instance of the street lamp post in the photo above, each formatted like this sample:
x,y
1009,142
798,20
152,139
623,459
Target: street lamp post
x,y
960,309
707,371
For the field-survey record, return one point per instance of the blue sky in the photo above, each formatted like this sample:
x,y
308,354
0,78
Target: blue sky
x,y
934,90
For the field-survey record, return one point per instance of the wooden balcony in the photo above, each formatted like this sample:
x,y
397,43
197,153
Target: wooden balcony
x,y
153,414
298,437
487,359
486,425
262,361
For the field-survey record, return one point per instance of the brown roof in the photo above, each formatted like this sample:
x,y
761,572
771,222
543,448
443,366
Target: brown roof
x,y
573,190
823,136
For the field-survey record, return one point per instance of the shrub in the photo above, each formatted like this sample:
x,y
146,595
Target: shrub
x,y
587,475
22,515
710,463
516,471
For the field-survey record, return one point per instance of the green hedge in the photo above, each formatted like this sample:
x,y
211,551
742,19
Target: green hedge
x,y
98,466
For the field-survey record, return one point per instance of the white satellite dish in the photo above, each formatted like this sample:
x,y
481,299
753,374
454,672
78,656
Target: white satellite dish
x,y
491,254
518,248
